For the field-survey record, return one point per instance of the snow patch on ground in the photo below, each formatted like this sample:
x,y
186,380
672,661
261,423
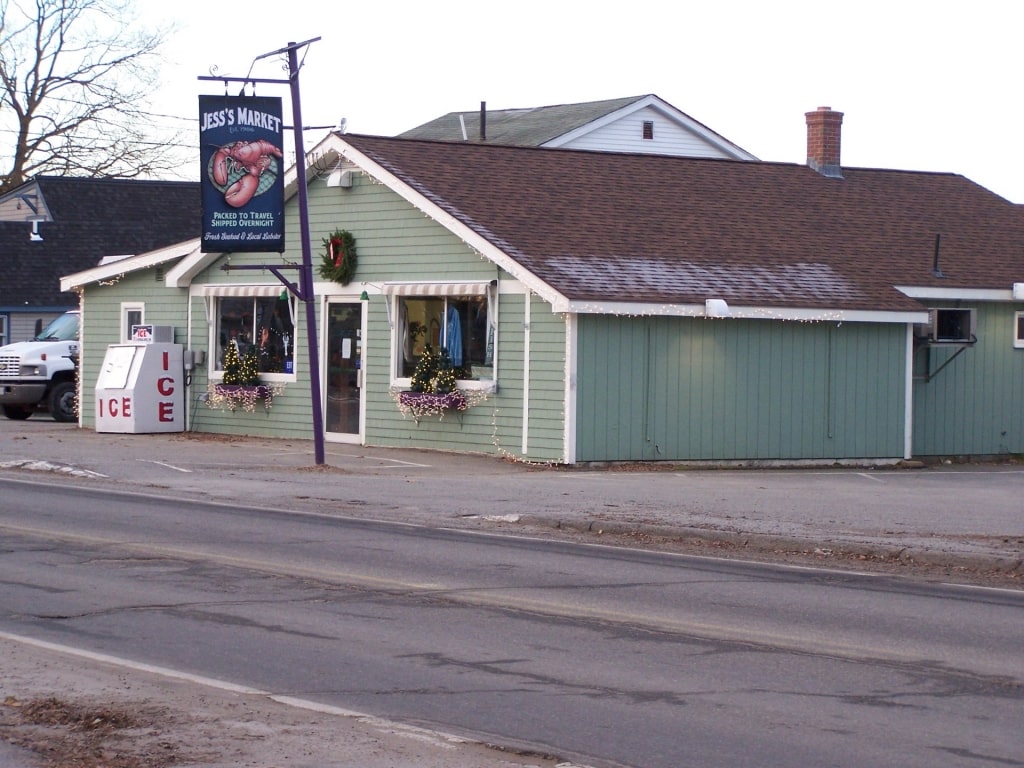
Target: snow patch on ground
x,y
46,466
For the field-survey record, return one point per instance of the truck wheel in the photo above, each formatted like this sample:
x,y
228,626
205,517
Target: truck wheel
x,y
18,412
62,401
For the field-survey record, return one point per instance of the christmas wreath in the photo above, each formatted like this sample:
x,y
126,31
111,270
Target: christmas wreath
x,y
338,262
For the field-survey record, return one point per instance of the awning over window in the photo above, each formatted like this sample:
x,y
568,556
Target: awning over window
x,y
208,292
241,290
437,288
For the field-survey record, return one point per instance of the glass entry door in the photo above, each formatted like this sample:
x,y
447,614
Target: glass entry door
x,y
344,356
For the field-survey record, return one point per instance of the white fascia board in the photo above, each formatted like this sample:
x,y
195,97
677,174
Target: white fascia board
x,y
953,294
181,275
322,155
473,239
131,264
742,313
681,118
597,124
734,151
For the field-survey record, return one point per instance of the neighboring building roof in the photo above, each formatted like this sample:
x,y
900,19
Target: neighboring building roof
x,y
561,124
602,228
81,221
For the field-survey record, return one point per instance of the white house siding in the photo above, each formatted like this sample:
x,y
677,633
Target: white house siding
x,y
626,135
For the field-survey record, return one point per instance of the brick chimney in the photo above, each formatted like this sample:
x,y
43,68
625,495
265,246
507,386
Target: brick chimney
x,y
824,129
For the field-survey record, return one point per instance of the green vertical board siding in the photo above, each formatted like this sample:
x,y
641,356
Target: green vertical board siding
x,y
611,369
694,389
973,405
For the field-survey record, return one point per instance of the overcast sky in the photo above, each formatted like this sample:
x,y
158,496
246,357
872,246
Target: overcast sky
x,y
932,86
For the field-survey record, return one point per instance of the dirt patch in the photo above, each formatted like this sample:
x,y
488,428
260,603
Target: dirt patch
x,y
763,549
210,437
91,734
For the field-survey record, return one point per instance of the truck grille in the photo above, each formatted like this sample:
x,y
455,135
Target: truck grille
x,y
10,365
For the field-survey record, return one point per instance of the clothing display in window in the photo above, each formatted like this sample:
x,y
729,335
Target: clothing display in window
x,y
453,336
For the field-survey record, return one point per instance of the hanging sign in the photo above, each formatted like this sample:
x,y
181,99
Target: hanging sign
x,y
241,173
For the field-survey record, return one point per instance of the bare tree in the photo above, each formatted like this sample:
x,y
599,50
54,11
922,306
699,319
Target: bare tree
x,y
76,76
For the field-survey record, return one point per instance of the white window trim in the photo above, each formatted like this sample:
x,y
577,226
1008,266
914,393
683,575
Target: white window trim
x,y
212,294
1018,340
396,291
131,306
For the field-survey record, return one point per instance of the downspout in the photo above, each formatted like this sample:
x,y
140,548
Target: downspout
x,y
908,397
525,447
570,436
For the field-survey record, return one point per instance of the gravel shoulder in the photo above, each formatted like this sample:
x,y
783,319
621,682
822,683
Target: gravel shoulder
x,y
59,711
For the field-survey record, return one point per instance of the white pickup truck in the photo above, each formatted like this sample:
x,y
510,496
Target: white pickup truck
x,y
42,372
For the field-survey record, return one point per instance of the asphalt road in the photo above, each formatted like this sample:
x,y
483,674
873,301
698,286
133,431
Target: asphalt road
x,y
602,655
965,518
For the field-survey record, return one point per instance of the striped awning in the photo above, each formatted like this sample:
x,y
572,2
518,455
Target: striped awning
x,y
437,288
241,290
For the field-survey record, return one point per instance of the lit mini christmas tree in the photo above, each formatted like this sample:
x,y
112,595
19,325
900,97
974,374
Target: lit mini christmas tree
x,y
426,370
434,373
240,371
443,381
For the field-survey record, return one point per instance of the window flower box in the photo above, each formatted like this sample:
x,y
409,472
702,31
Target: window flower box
x,y
431,402
232,397
421,404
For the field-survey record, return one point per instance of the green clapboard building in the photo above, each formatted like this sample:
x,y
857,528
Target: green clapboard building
x,y
599,306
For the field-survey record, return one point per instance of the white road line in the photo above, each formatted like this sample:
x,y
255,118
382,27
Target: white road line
x,y
436,737
135,665
381,458
165,464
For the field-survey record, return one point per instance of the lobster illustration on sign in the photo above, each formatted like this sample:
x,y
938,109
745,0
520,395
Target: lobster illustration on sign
x,y
244,169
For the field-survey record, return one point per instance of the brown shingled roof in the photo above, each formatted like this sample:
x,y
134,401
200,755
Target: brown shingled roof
x,y
639,228
92,218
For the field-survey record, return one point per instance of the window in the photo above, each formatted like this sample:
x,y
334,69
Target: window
x,y
131,314
3,330
1018,323
462,325
953,326
648,130
263,325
